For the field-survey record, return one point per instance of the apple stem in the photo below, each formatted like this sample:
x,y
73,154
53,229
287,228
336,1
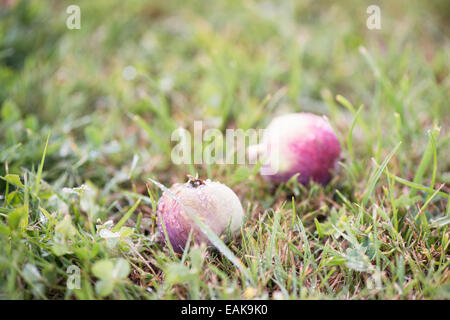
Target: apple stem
x,y
195,182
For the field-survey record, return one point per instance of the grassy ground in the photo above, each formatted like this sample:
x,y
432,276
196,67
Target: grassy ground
x,y
379,230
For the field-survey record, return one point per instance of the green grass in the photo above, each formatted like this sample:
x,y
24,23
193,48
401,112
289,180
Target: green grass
x,y
79,143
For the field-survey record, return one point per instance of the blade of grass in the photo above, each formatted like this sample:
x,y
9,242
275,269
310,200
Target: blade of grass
x,y
152,134
417,186
215,240
424,162
126,216
377,175
163,225
38,179
433,175
347,104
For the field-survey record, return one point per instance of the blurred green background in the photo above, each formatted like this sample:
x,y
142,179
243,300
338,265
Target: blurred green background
x,y
232,64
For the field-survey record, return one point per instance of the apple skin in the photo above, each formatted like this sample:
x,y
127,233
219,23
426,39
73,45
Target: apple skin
x,y
302,143
213,203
